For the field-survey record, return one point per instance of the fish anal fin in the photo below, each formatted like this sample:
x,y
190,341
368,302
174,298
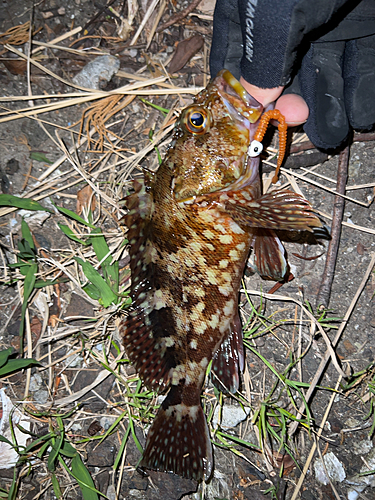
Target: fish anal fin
x,y
229,360
269,256
178,440
280,209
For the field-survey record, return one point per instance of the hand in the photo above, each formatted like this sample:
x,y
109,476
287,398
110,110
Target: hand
x,y
292,106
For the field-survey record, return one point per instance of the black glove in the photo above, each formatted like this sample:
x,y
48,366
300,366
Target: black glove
x,y
331,43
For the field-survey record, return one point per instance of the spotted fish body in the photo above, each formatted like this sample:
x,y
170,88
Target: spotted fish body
x,y
191,226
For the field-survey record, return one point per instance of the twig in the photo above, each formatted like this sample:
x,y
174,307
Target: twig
x,y
307,145
338,212
335,341
179,16
313,448
146,17
98,14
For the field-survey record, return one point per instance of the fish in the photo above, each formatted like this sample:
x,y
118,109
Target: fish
x,y
191,226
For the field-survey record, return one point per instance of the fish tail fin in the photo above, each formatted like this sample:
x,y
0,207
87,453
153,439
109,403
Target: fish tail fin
x,y
178,440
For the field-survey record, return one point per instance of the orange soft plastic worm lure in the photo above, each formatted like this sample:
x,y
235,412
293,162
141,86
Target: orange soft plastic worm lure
x,y
274,114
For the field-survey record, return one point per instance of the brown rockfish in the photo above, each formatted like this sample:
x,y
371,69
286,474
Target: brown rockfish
x,y
191,227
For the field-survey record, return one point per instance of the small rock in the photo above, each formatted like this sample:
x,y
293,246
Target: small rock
x,y
170,486
106,422
12,167
336,425
97,72
111,492
36,382
362,447
231,416
6,185
352,423
73,360
78,307
137,481
40,397
334,468
102,455
138,495
94,428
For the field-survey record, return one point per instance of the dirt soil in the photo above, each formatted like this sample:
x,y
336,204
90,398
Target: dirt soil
x,y
74,337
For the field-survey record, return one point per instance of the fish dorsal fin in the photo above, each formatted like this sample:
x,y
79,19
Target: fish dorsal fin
x,y
144,328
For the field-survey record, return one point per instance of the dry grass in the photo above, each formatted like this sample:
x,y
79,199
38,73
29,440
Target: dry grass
x,y
93,154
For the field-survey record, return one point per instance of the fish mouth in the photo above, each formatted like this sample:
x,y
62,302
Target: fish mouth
x,y
238,99
248,111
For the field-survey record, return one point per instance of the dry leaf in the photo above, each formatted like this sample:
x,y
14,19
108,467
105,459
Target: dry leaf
x,y
16,67
85,199
36,326
184,52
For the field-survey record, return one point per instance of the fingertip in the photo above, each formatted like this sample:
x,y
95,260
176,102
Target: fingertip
x,y
294,108
263,95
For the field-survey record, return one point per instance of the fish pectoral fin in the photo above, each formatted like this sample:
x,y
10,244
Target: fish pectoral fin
x,y
229,360
269,255
178,440
282,209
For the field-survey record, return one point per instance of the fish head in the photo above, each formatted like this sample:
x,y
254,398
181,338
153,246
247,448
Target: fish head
x,y
212,140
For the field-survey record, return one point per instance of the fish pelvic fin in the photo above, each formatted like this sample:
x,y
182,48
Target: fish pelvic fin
x,y
280,209
229,360
269,256
178,440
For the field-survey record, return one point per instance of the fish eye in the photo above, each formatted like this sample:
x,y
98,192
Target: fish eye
x,y
196,120
255,149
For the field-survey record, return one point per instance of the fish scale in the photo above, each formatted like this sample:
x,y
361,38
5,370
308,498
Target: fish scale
x,y
191,227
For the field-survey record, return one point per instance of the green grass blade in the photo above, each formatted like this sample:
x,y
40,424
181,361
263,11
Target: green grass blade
x,y
155,106
14,486
42,284
101,249
27,291
37,442
68,450
8,200
82,476
14,365
74,216
5,440
37,156
92,291
56,444
54,453
122,448
56,487
238,440
4,355
107,296
26,234
70,234
43,448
